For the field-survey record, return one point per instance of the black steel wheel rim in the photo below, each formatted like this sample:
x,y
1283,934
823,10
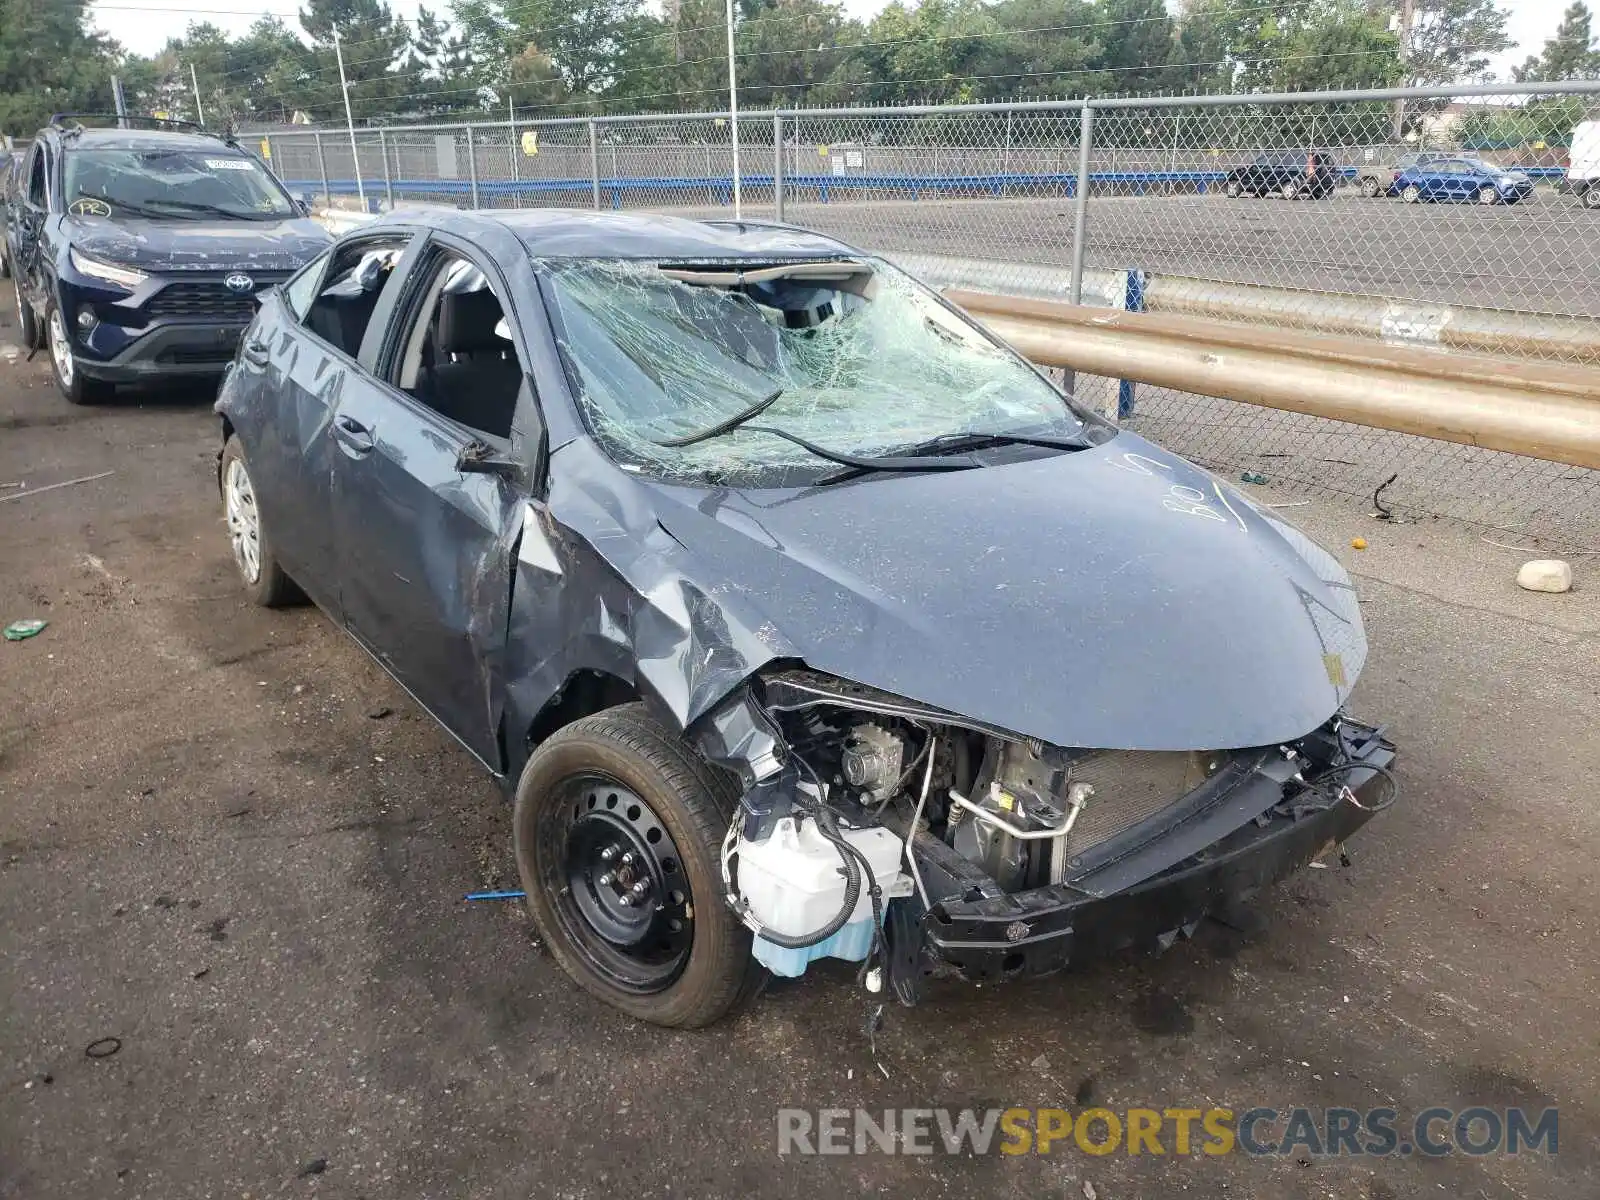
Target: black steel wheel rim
x,y
618,884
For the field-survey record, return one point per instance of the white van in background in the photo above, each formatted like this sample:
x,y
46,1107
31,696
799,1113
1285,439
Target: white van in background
x,y
1583,170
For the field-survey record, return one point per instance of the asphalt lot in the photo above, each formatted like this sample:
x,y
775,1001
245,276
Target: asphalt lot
x,y
1542,255
211,849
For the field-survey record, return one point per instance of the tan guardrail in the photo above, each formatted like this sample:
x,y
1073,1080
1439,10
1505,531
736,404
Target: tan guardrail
x,y
1394,320
1545,410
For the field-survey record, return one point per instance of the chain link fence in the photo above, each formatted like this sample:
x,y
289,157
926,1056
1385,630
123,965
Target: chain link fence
x,y
1456,219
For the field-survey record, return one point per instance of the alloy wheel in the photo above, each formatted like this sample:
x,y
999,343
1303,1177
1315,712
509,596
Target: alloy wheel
x,y
60,348
244,521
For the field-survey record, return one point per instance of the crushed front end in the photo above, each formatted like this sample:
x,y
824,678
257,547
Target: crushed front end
x,y
919,842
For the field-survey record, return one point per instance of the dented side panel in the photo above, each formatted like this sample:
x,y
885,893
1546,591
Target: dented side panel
x,y
602,587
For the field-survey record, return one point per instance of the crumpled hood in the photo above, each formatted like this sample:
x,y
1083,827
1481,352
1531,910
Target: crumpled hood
x,y
1117,597
199,245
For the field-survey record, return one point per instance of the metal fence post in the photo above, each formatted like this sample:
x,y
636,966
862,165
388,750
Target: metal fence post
x,y
594,166
388,181
777,166
472,166
322,167
1080,211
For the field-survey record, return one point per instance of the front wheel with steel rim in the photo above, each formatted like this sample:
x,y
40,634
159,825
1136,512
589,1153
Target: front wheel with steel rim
x,y
1369,187
77,387
258,567
618,829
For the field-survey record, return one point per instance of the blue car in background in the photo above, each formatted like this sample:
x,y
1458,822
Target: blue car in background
x,y
1469,179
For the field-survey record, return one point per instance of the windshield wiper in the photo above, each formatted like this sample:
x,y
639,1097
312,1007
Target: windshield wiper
x,y
138,210
886,462
233,214
727,426
947,443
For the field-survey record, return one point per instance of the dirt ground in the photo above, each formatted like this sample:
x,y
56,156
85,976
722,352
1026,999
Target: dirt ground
x,y
228,840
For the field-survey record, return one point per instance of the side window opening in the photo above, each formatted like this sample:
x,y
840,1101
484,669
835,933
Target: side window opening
x,y
458,357
299,292
37,194
344,307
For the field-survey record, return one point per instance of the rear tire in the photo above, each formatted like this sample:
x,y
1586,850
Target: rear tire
x,y
264,580
1369,187
1290,190
1411,193
27,323
77,387
1487,195
571,803
1591,196
1235,189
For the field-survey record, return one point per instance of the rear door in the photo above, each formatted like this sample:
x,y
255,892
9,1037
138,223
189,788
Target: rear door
x,y
298,359
425,548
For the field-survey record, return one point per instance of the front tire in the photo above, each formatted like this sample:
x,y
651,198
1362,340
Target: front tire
x,y
77,387
1369,187
618,829
1290,190
1487,195
1235,189
1591,196
263,579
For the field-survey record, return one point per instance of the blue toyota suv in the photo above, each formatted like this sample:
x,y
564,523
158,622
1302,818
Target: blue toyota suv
x,y
138,253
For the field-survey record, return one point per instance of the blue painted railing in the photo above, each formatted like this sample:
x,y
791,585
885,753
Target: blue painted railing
x,y
719,190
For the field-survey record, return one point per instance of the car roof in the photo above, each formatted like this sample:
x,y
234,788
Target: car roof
x,y
140,139
568,233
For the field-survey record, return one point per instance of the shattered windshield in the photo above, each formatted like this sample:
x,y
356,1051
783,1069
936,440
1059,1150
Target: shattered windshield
x,y
862,359
171,183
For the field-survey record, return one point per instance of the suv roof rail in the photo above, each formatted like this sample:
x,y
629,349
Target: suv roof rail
x,y
71,122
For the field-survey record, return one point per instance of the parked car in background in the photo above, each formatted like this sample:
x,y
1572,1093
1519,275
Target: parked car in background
x,y
1583,170
138,253
10,172
1379,181
1460,179
776,590
1286,173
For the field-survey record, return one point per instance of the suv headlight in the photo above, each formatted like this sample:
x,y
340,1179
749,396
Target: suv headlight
x,y
121,276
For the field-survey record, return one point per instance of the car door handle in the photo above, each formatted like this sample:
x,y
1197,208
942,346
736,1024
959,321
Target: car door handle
x,y
257,354
351,434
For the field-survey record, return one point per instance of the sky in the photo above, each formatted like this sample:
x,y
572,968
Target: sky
x,y
145,25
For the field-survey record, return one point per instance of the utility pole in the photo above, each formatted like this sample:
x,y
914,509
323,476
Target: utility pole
x,y
199,109
350,121
1407,21
733,113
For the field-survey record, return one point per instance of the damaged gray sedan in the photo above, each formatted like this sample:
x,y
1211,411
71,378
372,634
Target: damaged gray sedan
x,y
802,617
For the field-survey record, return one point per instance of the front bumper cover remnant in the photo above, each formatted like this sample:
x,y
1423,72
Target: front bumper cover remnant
x,y
1036,932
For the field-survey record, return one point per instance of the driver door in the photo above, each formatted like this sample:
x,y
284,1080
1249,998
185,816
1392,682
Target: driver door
x,y
424,545
32,210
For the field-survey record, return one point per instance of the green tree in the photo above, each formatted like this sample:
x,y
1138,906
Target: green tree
x,y
373,41
1571,54
50,61
1453,40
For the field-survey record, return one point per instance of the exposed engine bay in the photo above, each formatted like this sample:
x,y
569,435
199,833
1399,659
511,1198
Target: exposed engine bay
x,y
870,819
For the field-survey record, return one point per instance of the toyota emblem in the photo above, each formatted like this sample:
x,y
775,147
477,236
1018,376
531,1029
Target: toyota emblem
x,y
239,282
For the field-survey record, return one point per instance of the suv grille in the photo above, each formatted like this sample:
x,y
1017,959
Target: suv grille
x,y
209,300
